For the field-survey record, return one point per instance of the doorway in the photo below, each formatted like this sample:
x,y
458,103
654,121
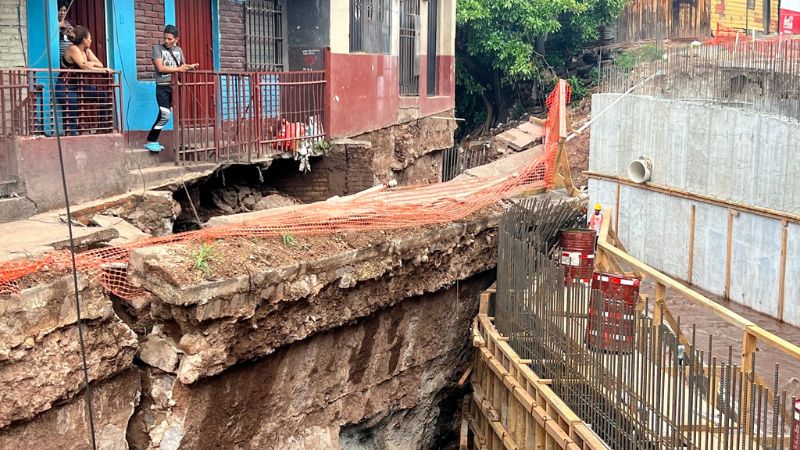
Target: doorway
x,y
92,15
198,90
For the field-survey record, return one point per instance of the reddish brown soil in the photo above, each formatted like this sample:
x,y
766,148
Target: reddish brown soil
x,y
578,148
236,256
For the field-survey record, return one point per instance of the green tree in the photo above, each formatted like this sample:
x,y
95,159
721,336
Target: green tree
x,y
501,44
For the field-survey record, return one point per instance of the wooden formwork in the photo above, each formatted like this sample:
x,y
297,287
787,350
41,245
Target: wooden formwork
x,y
511,407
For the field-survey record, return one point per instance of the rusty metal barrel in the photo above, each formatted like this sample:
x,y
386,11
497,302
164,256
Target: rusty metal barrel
x,y
611,325
577,254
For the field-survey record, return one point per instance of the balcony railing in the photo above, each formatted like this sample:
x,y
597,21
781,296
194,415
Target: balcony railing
x,y
75,102
247,116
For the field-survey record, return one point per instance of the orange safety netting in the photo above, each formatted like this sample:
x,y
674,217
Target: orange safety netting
x,y
774,46
376,208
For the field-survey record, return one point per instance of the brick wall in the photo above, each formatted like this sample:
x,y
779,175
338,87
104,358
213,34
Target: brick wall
x,y
12,47
149,32
326,179
231,30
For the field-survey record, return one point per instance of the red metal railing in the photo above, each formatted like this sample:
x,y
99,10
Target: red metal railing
x,y
76,102
246,116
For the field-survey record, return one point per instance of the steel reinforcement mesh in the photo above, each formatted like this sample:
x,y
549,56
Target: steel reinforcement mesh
x,y
376,208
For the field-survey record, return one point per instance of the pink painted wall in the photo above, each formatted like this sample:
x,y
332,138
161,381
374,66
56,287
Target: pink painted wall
x,y
365,92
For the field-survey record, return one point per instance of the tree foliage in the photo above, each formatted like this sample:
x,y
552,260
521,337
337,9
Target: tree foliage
x,y
497,43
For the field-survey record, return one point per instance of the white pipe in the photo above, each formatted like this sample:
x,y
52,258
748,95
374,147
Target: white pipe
x,y
639,170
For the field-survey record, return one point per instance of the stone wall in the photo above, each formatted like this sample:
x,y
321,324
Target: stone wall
x,y
409,153
399,148
278,344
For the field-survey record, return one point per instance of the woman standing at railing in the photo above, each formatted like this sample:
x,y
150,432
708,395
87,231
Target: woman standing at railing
x,y
78,56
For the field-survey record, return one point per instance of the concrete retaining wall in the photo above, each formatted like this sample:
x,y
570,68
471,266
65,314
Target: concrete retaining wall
x,y
726,153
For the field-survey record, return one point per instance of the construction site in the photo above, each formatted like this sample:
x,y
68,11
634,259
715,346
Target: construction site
x,y
292,272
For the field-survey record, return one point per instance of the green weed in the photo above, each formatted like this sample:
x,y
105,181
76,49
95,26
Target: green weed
x,y
288,239
203,256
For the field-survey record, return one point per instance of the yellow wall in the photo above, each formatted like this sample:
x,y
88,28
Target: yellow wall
x,y
734,14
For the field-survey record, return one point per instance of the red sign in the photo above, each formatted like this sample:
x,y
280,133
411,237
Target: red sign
x,y
796,433
790,17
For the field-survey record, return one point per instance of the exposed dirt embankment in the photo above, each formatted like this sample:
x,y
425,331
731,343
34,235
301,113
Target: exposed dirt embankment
x,y
288,342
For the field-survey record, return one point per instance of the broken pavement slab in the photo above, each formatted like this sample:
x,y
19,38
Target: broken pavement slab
x,y
522,136
127,232
41,234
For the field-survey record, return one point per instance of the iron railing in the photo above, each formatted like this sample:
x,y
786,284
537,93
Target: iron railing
x,y
246,116
645,389
457,160
409,47
265,35
77,102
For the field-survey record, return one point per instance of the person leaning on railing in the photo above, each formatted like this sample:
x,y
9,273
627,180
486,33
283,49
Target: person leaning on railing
x,y
72,87
168,58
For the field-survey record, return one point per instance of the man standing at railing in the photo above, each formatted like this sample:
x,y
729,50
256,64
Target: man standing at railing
x,y
168,59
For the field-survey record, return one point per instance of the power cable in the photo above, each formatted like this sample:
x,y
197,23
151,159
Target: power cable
x,y
88,389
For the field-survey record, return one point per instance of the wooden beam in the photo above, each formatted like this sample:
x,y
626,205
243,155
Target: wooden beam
x,y
729,316
616,213
690,270
782,271
765,212
749,347
562,109
728,256
465,377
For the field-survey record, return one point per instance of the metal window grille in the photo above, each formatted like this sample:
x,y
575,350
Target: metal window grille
x,y
433,41
409,47
265,35
370,26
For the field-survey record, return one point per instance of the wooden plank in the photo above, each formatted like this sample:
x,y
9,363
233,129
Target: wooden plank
x,y
690,270
562,109
724,313
749,347
782,271
765,212
465,377
616,212
483,307
728,256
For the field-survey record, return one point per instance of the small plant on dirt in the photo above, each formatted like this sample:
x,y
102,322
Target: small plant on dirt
x,y
650,53
321,146
203,256
595,76
579,91
288,239
626,61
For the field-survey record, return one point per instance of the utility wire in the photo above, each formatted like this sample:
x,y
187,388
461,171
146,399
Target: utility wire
x,y
88,389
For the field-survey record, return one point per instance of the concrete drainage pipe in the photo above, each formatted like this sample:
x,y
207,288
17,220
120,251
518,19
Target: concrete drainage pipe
x,y
639,170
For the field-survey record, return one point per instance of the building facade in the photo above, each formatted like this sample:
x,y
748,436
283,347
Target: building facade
x,y
364,46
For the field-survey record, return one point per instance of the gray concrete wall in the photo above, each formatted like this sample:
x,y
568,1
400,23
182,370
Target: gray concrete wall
x,y
729,154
